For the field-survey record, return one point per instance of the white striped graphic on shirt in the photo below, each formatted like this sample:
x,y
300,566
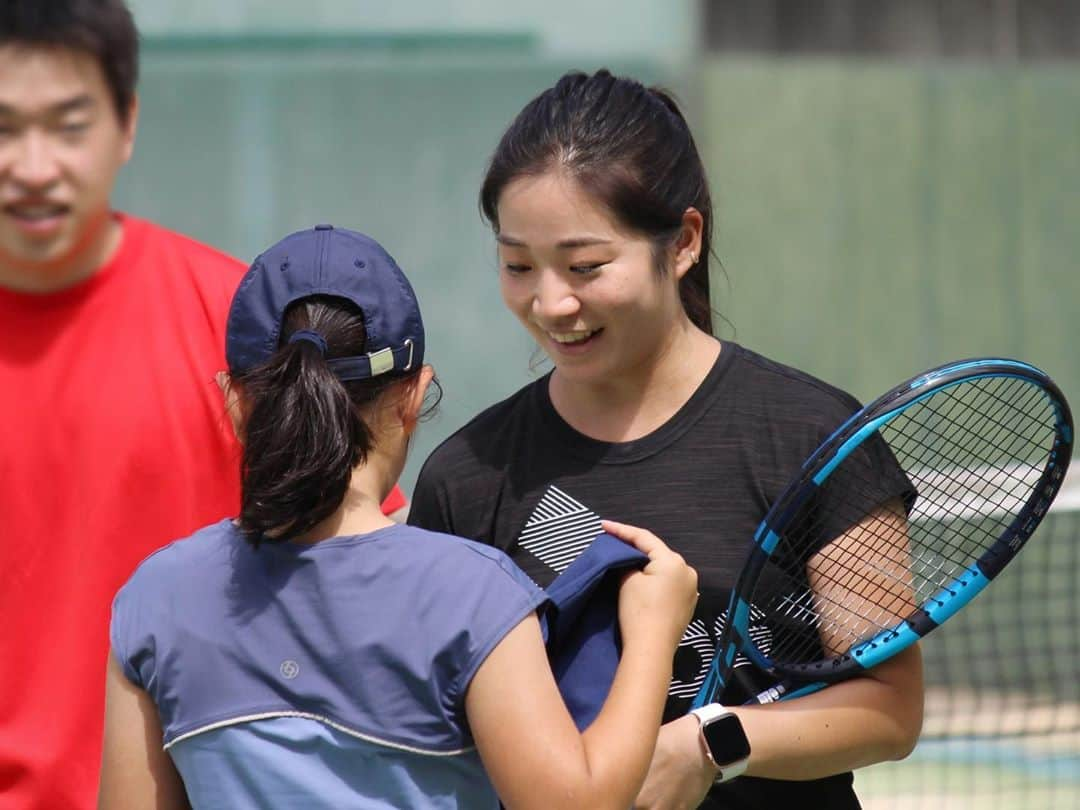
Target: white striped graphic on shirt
x,y
558,530
703,642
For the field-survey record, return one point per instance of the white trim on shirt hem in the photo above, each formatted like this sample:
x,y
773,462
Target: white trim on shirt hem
x,y
233,721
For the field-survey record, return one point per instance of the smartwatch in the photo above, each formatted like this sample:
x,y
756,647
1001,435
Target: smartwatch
x,y
724,740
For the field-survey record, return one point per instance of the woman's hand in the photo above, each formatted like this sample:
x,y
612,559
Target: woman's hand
x,y
659,600
680,774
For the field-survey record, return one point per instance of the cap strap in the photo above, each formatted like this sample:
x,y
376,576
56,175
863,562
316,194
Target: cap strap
x,y
310,337
372,365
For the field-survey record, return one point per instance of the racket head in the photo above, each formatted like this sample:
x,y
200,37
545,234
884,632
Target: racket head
x,y
848,571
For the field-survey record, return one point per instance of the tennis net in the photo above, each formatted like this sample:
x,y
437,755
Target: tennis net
x,y
1002,721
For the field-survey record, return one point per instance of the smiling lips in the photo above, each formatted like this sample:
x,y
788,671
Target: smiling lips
x,y
36,217
575,338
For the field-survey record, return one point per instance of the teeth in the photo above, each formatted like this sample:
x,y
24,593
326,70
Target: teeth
x,y
572,337
35,211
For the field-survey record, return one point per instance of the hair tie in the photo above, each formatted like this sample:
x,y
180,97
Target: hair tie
x,y
311,337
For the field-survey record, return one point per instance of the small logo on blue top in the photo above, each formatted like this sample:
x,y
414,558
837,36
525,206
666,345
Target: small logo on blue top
x,y
289,669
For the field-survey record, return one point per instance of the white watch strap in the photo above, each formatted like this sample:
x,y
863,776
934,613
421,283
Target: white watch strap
x,y
709,712
732,770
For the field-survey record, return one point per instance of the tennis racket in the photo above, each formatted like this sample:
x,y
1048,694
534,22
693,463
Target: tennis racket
x,y
894,524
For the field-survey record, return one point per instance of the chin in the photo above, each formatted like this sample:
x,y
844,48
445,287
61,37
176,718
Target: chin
x,y
582,373
48,250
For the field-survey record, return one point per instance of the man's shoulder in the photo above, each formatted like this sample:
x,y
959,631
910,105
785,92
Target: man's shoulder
x,y
199,256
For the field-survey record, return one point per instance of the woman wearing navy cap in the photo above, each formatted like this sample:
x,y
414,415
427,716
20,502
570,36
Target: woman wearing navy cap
x,y
312,653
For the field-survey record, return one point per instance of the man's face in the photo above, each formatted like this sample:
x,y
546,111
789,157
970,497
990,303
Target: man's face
x,y
61,145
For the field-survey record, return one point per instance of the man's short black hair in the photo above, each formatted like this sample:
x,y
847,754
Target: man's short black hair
x,y
103,28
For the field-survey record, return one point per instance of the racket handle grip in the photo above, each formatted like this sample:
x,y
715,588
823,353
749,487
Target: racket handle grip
x,y
749,683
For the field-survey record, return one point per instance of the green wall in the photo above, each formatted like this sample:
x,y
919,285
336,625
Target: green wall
x,y
661,31
875,219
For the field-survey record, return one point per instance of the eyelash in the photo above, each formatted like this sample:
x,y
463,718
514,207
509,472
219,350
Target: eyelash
x,y
579,269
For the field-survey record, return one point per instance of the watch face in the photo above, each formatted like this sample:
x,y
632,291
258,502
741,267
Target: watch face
x,y
726,740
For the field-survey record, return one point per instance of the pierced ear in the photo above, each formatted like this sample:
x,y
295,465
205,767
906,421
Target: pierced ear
x,y
688,245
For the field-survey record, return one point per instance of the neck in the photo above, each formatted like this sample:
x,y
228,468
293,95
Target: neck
x,y
93,250
361,509
643,398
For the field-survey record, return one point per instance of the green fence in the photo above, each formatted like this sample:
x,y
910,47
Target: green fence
x,y
875,219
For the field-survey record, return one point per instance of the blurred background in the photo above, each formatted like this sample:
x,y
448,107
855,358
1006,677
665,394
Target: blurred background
x,y
897,181
897,184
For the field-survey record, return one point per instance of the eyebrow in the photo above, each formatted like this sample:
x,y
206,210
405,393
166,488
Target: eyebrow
x,y
565,244
75,104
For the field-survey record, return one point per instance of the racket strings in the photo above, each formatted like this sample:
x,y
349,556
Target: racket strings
x,y
973,500
850,564
987,492
1000,478
931,568
884,569
946,440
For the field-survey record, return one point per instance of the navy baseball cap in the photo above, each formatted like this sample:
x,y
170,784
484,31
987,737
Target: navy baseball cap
x,y
327,261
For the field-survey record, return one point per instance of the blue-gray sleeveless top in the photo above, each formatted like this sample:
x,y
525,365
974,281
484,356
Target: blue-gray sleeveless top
x,y
325,675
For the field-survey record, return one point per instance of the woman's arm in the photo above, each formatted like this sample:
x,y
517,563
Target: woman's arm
x,y
135,772
529,744
866,720
852,724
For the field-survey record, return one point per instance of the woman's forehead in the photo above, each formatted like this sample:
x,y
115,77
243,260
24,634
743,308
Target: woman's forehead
x,y
554,209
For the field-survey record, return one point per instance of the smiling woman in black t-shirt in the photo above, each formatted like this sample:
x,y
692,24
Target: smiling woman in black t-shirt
x,y
602,214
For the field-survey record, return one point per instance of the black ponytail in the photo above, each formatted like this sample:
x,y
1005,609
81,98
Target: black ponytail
x,y
303,431
689,170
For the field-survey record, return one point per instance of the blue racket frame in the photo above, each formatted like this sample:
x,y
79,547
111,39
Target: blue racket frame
x,y
799,680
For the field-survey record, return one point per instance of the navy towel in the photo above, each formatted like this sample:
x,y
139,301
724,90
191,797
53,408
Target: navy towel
x,y
581,626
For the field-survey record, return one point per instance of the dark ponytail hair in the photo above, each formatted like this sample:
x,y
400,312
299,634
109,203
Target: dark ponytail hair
x,y
303,429
627,145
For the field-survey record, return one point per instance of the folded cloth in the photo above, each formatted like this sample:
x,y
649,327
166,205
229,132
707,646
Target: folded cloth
x,y
581,625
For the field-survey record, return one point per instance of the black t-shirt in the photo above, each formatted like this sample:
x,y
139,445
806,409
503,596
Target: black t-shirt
x,y
520,478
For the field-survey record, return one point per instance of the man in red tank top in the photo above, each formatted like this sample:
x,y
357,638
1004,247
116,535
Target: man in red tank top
x,y
114,439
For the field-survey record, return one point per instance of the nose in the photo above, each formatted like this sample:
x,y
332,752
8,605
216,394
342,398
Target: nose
x,y
554,297
34,165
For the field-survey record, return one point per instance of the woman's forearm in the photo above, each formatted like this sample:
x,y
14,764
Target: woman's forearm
x,y
850,725
622,737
